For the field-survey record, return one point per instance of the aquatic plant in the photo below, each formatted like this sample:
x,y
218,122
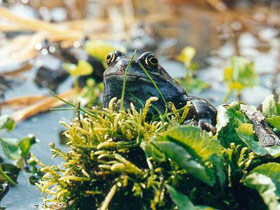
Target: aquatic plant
x,y
122,159
81,69
15,150
190,81
239,75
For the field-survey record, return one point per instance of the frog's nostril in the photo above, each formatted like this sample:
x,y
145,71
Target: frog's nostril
x,y
123,62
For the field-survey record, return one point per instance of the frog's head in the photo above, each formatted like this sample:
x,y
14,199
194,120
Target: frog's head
x,y
139,86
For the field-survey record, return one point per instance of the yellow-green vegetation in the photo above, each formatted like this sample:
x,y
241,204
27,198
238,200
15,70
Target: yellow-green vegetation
x,y
190,82
81,69
124,159
100,49
239,75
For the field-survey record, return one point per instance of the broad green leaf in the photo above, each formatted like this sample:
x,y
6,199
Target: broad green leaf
x,y
269,108
271,170
25,145
7,123
218,165
246,134
10,148
183,202
194,139
228,130
100,49
240,74
265,187
184,160
274,121
190,148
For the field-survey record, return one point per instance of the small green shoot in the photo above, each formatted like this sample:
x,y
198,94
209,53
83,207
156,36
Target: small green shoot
x,y
81,69
186,56
189,82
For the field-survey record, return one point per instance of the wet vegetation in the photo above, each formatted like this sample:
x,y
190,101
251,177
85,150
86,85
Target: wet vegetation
x,y
117,159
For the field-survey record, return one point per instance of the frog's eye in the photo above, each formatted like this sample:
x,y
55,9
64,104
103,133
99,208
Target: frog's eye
x,y
112,57
149,59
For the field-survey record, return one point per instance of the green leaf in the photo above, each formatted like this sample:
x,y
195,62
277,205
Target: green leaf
x,y
190,148
274,121
218,165
269,107
15,150
271,170
184,160
265,187
25,145
228,124
7,123
199,141
278,107
151,150
246,134
10,148
183,202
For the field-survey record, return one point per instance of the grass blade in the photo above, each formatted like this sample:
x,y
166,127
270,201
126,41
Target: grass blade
x,y
124,79
155,85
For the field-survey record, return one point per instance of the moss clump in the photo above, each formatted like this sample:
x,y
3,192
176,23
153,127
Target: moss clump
x,y
105,165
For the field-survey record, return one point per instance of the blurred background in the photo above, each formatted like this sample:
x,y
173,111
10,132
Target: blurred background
x,y
197,41
216,29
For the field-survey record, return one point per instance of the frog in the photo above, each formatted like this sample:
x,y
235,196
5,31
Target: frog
x,y
146,78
